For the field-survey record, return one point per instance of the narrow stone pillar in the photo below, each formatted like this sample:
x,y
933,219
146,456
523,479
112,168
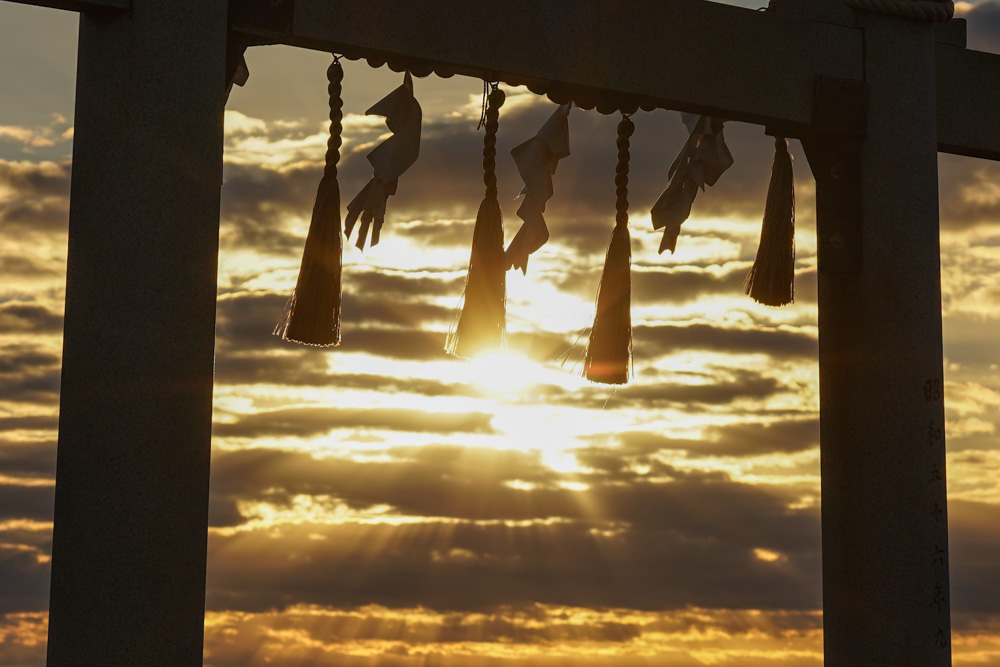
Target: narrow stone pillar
x,y
131,513
885,541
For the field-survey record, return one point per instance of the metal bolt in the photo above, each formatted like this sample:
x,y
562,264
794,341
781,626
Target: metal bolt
x,y
837,170
836,240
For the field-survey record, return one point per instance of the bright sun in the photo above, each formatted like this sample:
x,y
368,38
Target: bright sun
x,y
505,372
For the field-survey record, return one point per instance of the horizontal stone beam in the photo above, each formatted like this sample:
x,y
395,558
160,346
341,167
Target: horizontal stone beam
x,y
690,55
968,96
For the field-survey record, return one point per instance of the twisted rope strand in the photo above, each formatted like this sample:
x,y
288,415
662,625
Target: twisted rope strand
x,y
492,123
625,129
335,77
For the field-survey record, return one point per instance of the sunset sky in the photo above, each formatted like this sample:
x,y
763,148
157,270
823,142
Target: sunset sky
x,y
385,504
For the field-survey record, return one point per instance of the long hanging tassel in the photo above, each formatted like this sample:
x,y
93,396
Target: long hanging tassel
x,y
312,315
481,326
610,348
771,280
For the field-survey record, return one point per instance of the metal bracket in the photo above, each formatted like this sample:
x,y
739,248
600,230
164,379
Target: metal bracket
x,y
833,148
836,165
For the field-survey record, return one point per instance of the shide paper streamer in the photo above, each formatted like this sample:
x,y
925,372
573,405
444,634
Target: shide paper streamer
x,y
702,160
536,161
389,160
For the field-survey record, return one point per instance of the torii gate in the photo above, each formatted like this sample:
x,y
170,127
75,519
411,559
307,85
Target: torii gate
x,y
873,98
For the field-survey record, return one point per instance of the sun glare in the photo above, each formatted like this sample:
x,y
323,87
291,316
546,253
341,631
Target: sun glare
x,y
504,372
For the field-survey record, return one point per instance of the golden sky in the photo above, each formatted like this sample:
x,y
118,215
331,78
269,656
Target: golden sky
x,y
384,504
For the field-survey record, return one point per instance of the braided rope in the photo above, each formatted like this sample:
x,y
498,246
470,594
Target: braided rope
x,y
625,129
335,77
925,11
494,102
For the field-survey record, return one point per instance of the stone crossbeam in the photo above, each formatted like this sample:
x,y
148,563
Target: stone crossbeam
x,y
691,55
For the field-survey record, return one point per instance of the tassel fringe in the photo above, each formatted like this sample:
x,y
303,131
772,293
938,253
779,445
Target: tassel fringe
x,y
609,350
771,280
312,315
481,326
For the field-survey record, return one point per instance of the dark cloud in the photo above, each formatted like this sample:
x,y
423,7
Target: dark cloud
x,y
751,439
652,393
26,502
806,285
684,284
29,423
634,545
310,370
24,581
400,284
41,196
28,317
413,344
784,437
477,567
660,284
655,340
970,340
745,385
29,375
470,484
968,193
246,321
974,543
444,232
28,459
256,199
376,308
304,422
26,267
983,26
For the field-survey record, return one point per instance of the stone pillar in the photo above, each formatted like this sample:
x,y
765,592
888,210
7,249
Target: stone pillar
x,y
885,541
131,513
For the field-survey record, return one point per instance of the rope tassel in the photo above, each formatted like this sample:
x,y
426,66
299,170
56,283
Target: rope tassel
x,y
610,347
481,326
771,280
312,315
